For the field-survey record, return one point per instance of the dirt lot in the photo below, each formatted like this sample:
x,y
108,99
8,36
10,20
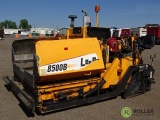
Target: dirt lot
x,y
10,109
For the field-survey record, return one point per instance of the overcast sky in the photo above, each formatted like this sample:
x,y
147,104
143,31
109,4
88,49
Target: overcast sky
x,y
54,13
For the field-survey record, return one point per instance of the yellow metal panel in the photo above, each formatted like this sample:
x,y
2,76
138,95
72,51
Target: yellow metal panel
x,y
111,76
69,56
46,96
48,92
125,64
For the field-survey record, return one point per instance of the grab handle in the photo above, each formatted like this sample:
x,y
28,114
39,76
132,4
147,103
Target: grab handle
x,y
87,73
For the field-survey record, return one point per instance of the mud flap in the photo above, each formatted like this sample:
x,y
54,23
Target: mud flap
x,y
140,82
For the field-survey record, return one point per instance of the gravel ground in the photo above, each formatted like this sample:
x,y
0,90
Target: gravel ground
x,y
11,109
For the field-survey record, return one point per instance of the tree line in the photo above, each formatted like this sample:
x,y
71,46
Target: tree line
x,y
8,24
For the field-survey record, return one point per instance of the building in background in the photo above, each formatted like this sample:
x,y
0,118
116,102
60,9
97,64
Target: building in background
x,y
24,32
63,31
33,31
10,31
43,31
16,31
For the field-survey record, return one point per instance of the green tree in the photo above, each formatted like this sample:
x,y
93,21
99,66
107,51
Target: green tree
x,y
24,24
8,24
30,26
